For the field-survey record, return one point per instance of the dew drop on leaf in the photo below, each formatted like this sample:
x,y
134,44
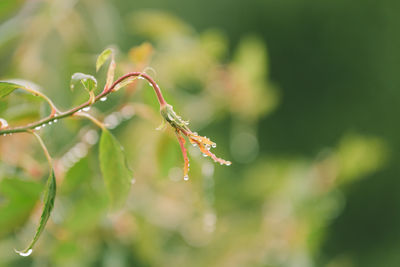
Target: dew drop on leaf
x,y
24,254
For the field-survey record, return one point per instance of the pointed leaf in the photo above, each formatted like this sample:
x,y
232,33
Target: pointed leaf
x,y
48,199
102,58
116,174
88,81
6,88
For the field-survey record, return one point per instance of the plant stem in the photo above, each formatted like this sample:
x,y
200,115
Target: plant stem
x,y
90,117
68,113
46,152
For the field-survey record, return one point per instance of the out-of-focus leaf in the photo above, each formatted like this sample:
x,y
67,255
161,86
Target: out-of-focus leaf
x,y
7,88
253,95
141,54
76,176
102,58
358,156
49,197
117,175
168,155
20,198
88,81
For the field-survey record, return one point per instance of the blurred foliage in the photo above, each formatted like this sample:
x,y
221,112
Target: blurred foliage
x,y
279,202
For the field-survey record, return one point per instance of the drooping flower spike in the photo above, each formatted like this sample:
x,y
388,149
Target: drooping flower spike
x,y
181,130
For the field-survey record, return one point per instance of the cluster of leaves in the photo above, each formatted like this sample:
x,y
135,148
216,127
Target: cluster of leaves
x,y
117,175
113,164
278,205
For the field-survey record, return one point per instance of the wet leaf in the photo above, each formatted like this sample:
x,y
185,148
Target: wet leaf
x,y
7,88
116,174
48,199
88,81
102,58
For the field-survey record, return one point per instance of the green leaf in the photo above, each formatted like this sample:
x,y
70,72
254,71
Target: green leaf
x,y
49,197
102,58
88,81
20,197
116,174
76,177
6,88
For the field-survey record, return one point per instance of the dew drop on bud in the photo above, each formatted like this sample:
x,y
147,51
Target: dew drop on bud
x,y
214,145
38,127
186,177
55,120
104,98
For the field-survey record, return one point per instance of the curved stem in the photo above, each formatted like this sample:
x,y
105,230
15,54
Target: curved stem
x,y
90,117
68,113
46,152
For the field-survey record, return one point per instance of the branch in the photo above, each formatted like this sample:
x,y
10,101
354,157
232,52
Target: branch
x,y
61,115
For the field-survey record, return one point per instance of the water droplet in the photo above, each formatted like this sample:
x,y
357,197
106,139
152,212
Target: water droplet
x,y
228,163
37,128
204,155
150,84
50,122
214,145
104,98
55,120
195,133
86,109
186,177
24,254
44,125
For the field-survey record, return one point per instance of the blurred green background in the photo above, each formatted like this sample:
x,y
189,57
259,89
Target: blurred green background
x,y
300,95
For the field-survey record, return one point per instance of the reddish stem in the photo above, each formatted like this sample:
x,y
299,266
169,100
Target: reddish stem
x,y
70,112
